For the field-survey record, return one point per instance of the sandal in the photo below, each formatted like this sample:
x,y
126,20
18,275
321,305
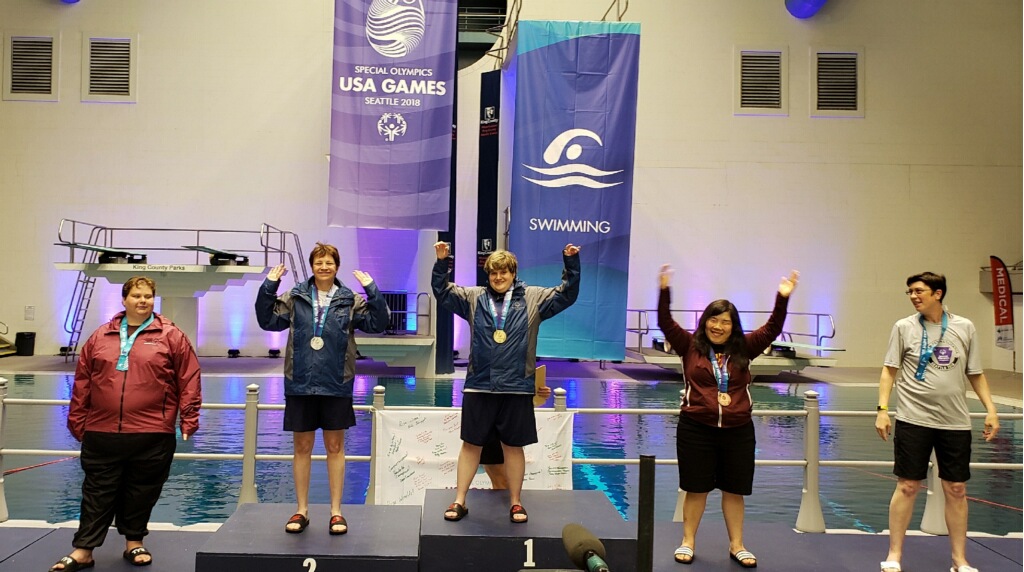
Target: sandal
x,y
71,565
299,519
891,565
459,510
742,555
338,520
516,510
131,555
684,555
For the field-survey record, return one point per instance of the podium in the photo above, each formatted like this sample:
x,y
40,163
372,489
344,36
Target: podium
x,y
380,539
487,540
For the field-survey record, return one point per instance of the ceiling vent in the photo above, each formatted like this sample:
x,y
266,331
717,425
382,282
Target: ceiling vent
x,y
109,69
837,80
761,82
32,65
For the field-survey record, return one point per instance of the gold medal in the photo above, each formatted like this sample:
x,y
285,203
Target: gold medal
x,y
316,343
499,336
724,400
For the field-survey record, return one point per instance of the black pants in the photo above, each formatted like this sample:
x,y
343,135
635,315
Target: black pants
x,y
124,474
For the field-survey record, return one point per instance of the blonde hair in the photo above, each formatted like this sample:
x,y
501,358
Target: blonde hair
x,y
501,260
135,281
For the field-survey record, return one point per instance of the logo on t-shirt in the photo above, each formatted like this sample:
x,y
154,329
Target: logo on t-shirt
x,y
944,357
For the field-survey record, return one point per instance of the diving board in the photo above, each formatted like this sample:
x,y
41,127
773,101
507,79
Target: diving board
x,y
107,255
220,257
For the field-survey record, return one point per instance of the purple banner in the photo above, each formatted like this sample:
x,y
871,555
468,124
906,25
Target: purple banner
x,y
393,88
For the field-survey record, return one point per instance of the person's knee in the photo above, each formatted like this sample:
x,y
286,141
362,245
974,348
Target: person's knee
x,y
908,488
334,447
303,445
955,491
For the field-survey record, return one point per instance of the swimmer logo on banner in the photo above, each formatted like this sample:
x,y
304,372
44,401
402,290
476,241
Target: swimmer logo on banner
x,y
392,91
573,92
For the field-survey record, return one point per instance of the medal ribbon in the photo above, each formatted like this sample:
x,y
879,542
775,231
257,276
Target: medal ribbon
x,y
127,342
320,312
926,350
721,371
499,319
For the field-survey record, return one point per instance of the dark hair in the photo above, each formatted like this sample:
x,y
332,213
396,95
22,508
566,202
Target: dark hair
x,y
735,346
322,249
936,282
135,281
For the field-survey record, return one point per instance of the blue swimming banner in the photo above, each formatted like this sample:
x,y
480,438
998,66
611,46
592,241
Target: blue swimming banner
x,y
393,87
574,91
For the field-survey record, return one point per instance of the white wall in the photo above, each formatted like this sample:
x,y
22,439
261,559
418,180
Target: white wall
x,y
231,130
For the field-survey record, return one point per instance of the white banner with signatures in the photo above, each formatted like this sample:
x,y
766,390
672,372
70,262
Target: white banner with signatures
x,y
419,450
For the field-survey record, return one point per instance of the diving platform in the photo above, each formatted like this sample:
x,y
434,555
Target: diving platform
x,y
403,350
764,364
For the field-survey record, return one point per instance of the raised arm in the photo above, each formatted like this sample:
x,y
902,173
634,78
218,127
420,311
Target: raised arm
x,y
372,316
761,338
675,335
448,294
564,295
272,313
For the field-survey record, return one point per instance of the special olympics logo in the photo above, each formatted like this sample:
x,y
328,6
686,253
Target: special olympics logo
x,y
395,27
571,173
391,125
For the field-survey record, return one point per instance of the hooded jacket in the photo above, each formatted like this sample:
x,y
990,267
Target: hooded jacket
x,y
330,370
162,381
700,398
507,367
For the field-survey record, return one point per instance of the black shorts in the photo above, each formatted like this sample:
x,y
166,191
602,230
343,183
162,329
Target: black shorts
x,y
492,454
311,412
912,447
714,457
507,416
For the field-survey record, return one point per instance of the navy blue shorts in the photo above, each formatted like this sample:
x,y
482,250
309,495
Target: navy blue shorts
x,y
715,457
492,453
912,447
311,412
507,416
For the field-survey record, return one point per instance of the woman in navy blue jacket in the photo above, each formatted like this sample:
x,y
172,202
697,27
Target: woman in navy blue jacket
x,y
504,318
321,316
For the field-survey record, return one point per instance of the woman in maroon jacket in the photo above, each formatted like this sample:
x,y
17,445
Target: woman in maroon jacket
x,y
715,436
135,376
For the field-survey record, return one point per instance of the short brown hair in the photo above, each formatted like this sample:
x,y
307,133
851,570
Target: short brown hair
x,y
321,250
501,260
137,281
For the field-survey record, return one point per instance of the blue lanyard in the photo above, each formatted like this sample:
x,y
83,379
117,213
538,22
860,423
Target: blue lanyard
x,y
926,350
721,372
320,312
499,319
127,342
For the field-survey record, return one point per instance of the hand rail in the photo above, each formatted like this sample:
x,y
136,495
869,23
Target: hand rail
x,y
824,327
809,519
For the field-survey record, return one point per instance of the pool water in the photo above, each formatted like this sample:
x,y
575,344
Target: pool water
x,y
207,491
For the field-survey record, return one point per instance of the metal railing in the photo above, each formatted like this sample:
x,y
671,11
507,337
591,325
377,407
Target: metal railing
x,y
619,6
809,518
819,326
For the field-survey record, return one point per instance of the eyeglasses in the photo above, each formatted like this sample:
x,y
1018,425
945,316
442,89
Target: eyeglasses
x,y
917,291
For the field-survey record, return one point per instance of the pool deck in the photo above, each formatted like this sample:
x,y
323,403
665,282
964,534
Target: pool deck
x,y
33,545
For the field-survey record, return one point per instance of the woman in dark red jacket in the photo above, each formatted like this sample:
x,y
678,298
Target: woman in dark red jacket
x,y
715,437
136,375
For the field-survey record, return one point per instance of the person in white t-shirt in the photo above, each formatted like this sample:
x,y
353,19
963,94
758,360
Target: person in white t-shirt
x,y
932,355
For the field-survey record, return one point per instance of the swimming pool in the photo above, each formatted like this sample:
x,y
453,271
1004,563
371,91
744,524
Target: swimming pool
x,y
207,491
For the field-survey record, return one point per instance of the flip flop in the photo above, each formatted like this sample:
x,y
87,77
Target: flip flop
x,y
517,509
891,565
338,520
297,518
684,555
459,510
71,565
131,555
742,555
